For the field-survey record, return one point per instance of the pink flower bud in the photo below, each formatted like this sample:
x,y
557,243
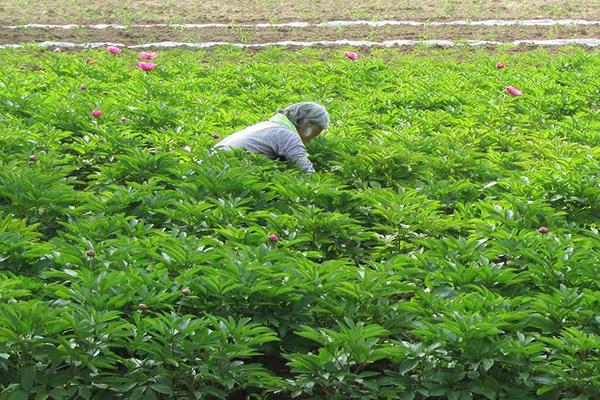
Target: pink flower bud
x,y
113,50
90,60
351,55
543,229
273,238
145,66
96,113
147,56
186,291
500,65
513,91
91,253
33,157
57,50
142,307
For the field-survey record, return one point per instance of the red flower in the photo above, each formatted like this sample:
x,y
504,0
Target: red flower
x,y
146,66
113,50
351,55
513,91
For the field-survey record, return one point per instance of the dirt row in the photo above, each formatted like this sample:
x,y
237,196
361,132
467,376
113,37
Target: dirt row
x,y
178,11
263,35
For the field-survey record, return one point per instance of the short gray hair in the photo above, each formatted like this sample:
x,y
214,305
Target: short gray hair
x,y
311,113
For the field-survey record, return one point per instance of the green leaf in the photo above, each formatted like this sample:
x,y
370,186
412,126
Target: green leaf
x,y
162,388
28,378
543,389
18,395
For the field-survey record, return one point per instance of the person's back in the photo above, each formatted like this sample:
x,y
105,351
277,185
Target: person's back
x,y
280,137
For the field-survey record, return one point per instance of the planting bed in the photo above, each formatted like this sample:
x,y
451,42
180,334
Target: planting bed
x,y
247,35
447,247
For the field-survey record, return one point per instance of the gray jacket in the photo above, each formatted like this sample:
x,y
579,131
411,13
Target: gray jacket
x,y
272,140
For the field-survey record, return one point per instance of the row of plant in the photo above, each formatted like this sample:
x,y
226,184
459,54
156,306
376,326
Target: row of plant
x,y
447,246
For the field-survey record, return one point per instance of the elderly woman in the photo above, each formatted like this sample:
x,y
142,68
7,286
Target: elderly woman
x,y
284,135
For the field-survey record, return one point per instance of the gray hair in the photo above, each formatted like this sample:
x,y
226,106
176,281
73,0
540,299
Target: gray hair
x,y
311,113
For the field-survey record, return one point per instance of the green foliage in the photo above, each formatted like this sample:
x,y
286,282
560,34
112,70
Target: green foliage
x,y
410,266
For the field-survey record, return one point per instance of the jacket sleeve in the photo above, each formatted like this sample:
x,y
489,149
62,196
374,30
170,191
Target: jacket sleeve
x,y
290,147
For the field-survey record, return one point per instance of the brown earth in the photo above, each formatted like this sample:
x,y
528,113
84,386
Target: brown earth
x,y
178,11
262,35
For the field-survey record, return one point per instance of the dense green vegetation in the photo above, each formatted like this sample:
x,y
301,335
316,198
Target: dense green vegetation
x,y
135,263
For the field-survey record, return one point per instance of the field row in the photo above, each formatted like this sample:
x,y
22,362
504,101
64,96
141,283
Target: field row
x,y
180,11
139,35
447,246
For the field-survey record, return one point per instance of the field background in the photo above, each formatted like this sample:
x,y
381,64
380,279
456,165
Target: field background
x,y
447,248
177,11
14,12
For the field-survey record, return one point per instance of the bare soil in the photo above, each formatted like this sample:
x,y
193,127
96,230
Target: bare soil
x,y
263,35
181,11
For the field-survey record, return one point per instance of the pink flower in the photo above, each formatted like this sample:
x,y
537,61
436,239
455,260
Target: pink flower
x,y
513,91
90,60
33,157
91,253
500,65
351,55
145,66
113,50
96,113
147,56
186,291
273,238
543,229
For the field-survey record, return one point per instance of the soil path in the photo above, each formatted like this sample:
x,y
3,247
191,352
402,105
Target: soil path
x,y
178,11
137,36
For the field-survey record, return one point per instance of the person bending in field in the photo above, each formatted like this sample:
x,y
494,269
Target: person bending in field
x,y
284,135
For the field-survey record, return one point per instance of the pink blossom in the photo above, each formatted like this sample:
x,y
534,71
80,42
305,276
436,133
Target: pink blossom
x,y
513,91
91,253
147,56
186,291
351,55
146,66
500,65
90,60
273,238
543,229
33,157
96,113
113,50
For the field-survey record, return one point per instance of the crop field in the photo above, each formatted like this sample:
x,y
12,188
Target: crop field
x,y
447,246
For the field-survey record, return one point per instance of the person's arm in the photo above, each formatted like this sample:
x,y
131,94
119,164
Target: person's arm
x,y
290,147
